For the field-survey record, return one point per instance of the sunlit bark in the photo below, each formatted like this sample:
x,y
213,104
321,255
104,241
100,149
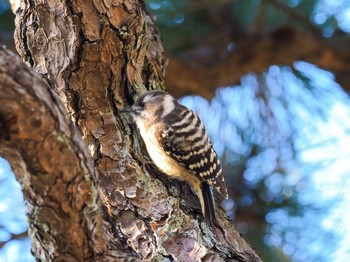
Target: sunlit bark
x,y
52,164
96,56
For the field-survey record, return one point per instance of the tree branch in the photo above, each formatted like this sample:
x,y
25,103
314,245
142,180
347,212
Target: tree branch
x,y
292,12
282,46
14,237
53,167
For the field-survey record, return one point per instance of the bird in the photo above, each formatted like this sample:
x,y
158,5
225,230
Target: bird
x,y
178,144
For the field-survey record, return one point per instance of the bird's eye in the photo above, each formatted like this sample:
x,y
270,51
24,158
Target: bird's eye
x,y
142,104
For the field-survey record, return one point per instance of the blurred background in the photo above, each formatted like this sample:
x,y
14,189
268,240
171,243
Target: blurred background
x,y
270,79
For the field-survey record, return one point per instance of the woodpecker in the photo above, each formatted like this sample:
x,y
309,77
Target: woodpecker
x,y
179,146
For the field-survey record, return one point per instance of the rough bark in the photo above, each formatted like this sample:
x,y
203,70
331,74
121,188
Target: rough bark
x,y
99,56
54,168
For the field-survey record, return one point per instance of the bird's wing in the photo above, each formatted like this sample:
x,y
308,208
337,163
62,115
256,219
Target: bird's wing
x,y
187,141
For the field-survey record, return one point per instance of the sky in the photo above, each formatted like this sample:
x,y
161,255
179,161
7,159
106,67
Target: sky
x,y
321,171
12,217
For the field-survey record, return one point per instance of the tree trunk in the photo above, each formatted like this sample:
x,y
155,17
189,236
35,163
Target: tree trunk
x,y
97,56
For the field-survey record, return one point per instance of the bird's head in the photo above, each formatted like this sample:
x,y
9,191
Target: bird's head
x,y
151,106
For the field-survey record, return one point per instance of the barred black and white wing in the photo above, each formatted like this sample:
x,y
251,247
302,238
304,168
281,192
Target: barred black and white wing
x,y
185,139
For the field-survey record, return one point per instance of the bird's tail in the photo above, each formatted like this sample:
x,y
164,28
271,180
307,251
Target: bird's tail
x,y
208,206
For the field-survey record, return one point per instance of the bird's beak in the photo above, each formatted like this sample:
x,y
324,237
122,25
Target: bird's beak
x,y
126,110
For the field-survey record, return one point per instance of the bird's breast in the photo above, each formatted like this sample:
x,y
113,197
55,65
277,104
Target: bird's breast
x,y
158,155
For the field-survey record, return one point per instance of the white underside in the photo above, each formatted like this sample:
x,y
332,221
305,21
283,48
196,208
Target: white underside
x,y
167,164
162,160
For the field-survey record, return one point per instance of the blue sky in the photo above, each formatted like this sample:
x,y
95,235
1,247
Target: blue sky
x,y
320,171
12,217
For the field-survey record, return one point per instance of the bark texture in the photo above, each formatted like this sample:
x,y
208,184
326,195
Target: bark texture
x,y
54,168
97,56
